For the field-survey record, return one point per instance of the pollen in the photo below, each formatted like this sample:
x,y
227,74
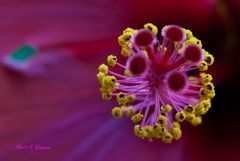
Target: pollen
x,y
121,99
103,68
117,113
159,84
151,27
137,117
112,60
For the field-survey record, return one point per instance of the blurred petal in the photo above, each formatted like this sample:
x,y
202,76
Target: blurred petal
x,y
62,108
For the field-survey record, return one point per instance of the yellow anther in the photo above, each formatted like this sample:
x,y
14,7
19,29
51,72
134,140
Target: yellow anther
x,y
202,107
112,60
137,117
149,131
203,66
151,27
189,109
106,96
103,68
180,116
100,76
167,137
121,98
206,78
176,124
188,33
196,121
125,51
131,98
162,120
207,91
129,30
209,86
206,104
190,117
203,94
139,132
193,40
208,58
106,90
109,82
127,36
121,41
167,108
176,133
199,109
159,131
116,112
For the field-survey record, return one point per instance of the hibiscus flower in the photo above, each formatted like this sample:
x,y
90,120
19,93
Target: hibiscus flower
x,y
61,109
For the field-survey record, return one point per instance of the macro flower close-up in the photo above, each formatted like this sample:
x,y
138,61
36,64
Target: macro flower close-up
x,y
161,78
104,80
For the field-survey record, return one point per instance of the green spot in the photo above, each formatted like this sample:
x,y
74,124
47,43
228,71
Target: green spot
x,y
24,53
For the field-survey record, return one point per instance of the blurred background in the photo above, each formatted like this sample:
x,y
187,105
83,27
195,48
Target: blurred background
x,y
53,100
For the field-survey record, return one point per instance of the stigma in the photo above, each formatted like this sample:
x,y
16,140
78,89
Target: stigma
x,y
161,83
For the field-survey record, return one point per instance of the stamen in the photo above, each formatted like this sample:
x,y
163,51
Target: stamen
x,y
161,85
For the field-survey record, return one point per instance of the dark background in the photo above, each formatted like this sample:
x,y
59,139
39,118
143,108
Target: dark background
x,y
57,107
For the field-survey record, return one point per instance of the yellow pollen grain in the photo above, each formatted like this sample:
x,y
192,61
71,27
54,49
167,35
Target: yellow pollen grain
x,y
100,76
109,82
103,68
131,98
203,66
139,132
106,96
125,51
137,117
149,130
117,113
176,133
112,60
190,117
121,98
206,78
180,116
167,137
162,120
167,108
196,121
188,33
208,58
151,27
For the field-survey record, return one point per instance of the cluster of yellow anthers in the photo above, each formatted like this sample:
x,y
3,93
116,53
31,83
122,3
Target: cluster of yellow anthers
x,y
155,89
